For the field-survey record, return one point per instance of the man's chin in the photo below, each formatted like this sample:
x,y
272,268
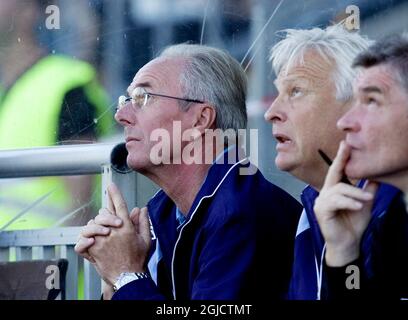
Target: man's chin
x,y
136,164
284,164
354,172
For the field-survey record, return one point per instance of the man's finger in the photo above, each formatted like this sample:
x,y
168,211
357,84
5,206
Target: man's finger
x,y
119,204
134,217
105,211
336,170
144,225
82,246
109,202
340,202
337,202
88,257
352,192
94,230
107,220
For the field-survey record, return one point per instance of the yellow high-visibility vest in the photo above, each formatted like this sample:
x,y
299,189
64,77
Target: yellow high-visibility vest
x,y
29,117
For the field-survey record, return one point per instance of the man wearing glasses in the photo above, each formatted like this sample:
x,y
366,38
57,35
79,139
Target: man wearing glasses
x,y
212,219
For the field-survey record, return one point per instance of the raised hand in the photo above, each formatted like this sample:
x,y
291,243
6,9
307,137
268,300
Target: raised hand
x,y
115,241
343,212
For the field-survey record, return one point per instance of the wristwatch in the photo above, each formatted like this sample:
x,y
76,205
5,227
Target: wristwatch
x,y
126,277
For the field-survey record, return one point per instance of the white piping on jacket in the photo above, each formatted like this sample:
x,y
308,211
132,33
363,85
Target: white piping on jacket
x,y
192,216
320,274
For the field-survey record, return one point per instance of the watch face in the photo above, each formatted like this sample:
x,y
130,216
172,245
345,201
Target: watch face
x,y
126,278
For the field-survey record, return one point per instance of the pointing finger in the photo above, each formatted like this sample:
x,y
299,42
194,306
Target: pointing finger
x,y
336,170
119,204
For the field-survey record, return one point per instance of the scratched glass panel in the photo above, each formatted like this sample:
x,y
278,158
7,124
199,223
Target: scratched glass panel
x,y
42,42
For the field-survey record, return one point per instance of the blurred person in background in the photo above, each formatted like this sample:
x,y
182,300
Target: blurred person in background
x,y
44,100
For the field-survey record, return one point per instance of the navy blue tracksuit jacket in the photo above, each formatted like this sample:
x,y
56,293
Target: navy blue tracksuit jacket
x,y
237,241
308,276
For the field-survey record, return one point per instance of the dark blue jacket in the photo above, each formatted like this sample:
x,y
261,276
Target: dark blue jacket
x,y
307,276
237,242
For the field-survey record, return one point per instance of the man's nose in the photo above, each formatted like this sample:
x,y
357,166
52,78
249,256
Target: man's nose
x,y
350,121
275,111
124,115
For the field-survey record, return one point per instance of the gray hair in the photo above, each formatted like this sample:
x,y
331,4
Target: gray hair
x,y
334,44
212,75
392,50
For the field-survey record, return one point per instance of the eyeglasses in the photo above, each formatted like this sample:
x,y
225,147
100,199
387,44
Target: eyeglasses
x,y
140,98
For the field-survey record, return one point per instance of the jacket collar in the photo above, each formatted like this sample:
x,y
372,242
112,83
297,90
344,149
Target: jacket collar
x,y
162,208
216,175
382,201
308,197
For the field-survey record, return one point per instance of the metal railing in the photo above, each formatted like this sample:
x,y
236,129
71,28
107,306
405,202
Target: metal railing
x,y
53,243
55,161
49,244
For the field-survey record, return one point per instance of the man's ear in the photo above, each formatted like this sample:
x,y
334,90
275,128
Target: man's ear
x,y
204,117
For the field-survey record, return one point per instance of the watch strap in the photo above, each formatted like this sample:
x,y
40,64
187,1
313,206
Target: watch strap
x,y
127,277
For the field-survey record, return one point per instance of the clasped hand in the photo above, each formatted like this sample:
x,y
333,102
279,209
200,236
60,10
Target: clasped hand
x,y
116,241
